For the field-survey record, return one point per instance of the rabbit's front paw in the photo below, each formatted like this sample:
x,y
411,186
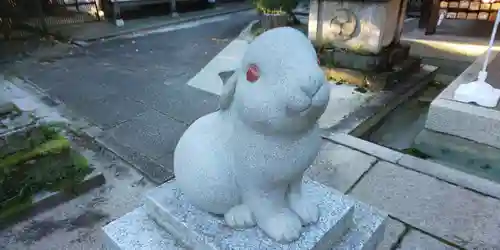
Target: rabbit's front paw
x,y
307,211
283,227
239,217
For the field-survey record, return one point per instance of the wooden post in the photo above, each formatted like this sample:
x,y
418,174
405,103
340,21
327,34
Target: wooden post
x,y
173,8
433,17
424,13
41,16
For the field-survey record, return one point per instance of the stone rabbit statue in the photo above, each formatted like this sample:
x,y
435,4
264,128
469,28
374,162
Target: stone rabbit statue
x,y
246,161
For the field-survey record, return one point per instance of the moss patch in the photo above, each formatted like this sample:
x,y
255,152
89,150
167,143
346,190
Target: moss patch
x,y
361,90
50,147
49,164
417,153
257,29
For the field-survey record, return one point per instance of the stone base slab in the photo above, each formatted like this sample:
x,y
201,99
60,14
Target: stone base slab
x,y
136,231
344,224
465,120
168,206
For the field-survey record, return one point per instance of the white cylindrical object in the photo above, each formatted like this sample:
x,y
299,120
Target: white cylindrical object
x,y
492,41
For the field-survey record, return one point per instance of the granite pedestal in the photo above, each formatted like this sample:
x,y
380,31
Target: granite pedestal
x,y
167,221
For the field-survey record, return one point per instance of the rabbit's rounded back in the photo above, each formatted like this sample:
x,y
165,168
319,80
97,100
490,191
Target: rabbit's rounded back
x,y
285,91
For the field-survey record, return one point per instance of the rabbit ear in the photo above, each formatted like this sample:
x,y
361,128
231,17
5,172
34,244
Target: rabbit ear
x,y
229,79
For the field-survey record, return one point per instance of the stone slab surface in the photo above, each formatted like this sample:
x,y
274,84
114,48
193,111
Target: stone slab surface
x,y
157,170
167,205
457,215
393,232
416,240
228,59
179,101
338,166
103,112
147,141
154,133
136,231
464,120
367,231
76,92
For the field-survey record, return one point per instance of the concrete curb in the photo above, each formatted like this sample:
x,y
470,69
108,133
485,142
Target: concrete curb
x,y
438,171
367,147
459,178
166,24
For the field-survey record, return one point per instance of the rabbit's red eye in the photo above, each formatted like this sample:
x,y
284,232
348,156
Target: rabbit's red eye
x,y
253,73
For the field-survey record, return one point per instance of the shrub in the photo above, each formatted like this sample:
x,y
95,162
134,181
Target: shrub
x,y
275,6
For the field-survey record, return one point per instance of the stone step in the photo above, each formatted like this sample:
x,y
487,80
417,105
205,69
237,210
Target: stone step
x,y
137,231
344,224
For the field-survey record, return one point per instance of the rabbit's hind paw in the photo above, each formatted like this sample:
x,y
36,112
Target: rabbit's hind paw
x,y
306,210
239,216
283,227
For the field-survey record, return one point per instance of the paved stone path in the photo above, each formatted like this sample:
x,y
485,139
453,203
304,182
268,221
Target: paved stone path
x,y
135,89
426,212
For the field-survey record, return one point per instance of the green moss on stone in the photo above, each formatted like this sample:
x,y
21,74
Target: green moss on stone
x,y
258,31
14,208
49,147
417,153
360,90
51,166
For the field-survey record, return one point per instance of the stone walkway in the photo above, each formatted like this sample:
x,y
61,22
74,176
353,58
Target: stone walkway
x,y
427,213
133,90
75,224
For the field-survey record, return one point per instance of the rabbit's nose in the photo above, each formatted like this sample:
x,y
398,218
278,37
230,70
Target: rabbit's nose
x,y
311,88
